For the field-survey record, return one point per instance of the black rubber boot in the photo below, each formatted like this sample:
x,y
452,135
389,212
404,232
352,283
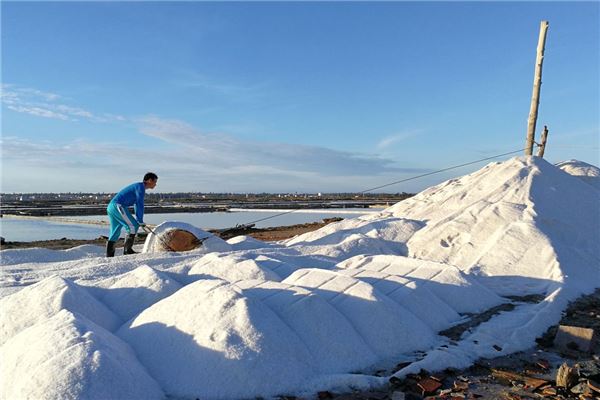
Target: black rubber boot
x,y
128,248
110,248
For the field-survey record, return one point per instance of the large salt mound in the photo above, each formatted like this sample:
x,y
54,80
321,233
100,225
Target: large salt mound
x,y
45,299
392,229
461,292
523,222
134,291
318,324
415,298
353,245
209,341
212,333
378,319
69,357
586,172
232,268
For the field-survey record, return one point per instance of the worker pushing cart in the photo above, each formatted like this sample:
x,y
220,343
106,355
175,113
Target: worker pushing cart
x,y
120,217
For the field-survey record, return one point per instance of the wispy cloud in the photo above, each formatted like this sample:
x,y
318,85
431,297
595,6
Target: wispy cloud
x,y
48,105
30,92
199,163
169,130
392,140
226,151
196,159
37,111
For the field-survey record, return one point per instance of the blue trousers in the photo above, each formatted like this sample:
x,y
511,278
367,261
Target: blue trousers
x,y
120,218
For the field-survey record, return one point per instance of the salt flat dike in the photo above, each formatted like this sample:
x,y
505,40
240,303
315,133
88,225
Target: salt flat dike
x,y
322,311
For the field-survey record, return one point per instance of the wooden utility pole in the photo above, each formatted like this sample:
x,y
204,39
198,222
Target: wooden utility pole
x,y
537,83
543,143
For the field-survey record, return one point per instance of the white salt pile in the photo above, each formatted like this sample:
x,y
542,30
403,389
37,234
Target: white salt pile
x,y
130,293
584,171
38,302
21,256
242,318
67,356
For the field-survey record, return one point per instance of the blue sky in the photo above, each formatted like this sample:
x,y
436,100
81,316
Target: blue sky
x,y
286,97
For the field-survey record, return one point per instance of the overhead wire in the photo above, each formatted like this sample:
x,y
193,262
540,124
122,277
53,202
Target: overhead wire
x,y
392,183
441,170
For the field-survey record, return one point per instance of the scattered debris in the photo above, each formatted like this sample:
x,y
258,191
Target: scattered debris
x,y
529,382
580,388
574,338
549,391
594,386
544,364
429,385
583,313
461,385
566,376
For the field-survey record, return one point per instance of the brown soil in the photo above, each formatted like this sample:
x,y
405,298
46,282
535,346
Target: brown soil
x,y
266,234
276,233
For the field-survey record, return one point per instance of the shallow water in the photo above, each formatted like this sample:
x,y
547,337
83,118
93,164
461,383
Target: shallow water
x,y
18,229
25,230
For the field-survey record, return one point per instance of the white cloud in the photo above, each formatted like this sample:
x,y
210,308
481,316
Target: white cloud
x,y
38,112
227,151
198,162
43,104
14,91
169,130
38,93
195,161
74,111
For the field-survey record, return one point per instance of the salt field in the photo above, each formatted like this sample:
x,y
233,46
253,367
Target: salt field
x,y
28,229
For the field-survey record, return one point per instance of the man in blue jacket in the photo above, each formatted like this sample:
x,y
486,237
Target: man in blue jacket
x,y
120,217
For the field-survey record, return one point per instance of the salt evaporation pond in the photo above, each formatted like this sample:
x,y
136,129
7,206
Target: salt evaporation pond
x,y
18,229
25,230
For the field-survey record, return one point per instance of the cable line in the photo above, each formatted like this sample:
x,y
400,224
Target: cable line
x,y
388,184
441,170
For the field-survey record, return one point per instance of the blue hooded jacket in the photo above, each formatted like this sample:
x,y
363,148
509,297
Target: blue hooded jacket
x,y
132,195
